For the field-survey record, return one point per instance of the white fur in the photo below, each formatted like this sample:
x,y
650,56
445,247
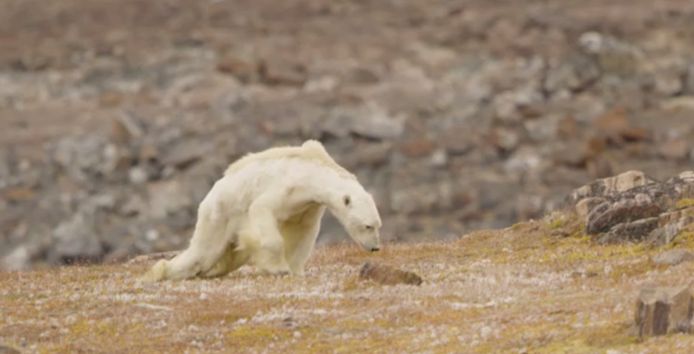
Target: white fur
x,y
267,210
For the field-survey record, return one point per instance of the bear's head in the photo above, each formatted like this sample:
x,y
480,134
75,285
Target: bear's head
x,y
357,212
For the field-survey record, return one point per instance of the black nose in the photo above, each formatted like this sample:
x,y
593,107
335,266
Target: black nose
x,y
374,249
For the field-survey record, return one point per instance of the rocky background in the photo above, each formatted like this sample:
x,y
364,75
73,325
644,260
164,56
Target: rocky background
x,y
117,116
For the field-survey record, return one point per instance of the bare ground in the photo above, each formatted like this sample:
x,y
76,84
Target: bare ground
x,y
522,289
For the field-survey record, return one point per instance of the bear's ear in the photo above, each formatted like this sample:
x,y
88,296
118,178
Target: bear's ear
x,y
347,200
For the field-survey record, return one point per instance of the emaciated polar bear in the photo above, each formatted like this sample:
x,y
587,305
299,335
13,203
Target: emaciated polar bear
x,y
267,210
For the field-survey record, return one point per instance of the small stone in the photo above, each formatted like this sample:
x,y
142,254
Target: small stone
x,y
167,198
617,127
152,235
127,127
19,259
689,83
77,239
457,140
281,72
676,149
244,70
137,175
439,158
687,176
505,139
321,84
187,152
600,166
673,257
387,275
364,75
370,155
18,194
370,121
681,103
661,311
573,154
379,126
416,148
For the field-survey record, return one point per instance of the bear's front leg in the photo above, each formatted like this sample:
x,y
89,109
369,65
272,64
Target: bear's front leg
x,y
300,235
269,253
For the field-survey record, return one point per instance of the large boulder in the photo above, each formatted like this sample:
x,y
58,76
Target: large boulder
x,y
662,311
633,207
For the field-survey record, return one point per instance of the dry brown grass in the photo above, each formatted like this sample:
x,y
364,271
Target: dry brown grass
x,y
538,287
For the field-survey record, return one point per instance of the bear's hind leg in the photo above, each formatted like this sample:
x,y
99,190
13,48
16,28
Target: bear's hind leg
x,y
208,244
232,260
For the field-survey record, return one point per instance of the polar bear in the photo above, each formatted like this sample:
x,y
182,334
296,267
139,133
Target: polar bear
x,y
266,210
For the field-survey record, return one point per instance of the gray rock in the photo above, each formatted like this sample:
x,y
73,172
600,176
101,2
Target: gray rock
x,y
614,56
133,206
513,106
689,83
423,198
610,185
167,198
378,125
127,127
369,155
138,175
5,168
18,259
662,311
673,257
367,121
576,72
666,74
606,215
650,212
585,205
280,71
670,224
687,176
77,239
675,149
186,152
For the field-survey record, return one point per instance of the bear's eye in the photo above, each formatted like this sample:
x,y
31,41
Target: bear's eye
x,y
369,227
347,200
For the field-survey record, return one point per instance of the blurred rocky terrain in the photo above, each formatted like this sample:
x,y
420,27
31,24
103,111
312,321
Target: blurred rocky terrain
x,y
117,116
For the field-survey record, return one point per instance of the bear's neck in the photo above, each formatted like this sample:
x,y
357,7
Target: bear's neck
x,y
328,187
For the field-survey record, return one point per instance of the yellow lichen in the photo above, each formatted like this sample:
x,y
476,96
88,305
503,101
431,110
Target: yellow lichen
x,y
684,203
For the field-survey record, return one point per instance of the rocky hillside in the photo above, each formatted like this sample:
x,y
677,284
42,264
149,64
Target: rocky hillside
x,y
536,287
609,274
116,116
